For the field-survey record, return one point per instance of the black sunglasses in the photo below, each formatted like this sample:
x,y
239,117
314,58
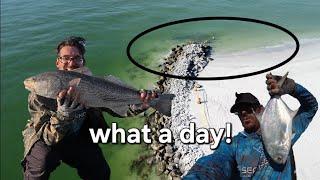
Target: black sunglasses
x,y
67,59
247,109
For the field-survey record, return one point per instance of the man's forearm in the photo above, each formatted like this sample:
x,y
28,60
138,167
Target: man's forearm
x,y
45,122
306,112
306,99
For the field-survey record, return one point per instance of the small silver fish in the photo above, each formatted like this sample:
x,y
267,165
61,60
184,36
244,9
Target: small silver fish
x,y
108,92
276,127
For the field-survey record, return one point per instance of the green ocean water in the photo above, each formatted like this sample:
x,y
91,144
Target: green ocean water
x,y
31,29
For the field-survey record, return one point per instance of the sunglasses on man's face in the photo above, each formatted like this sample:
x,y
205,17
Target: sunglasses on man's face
x,y
67,59
246,109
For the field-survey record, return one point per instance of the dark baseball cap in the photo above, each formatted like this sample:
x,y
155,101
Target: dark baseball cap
x,y
244,99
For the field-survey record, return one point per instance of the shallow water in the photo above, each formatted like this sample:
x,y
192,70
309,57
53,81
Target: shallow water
x,y
31,29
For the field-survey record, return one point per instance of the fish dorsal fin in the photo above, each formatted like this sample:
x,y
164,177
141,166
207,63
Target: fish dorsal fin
x,y
281,81
116,81
83,70
74,82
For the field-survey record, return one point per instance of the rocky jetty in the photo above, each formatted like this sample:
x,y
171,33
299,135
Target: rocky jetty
x,y
176,159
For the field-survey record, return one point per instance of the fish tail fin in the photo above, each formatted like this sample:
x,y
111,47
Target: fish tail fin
x,y
163,103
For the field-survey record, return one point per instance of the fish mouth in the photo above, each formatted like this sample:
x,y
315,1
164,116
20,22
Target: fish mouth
x,y
28,84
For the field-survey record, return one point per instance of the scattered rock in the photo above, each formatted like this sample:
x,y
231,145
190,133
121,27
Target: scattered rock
x,y
150,160
169,149
184,60
161,168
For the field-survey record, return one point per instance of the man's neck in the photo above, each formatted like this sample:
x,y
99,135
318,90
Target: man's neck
x,y
258,131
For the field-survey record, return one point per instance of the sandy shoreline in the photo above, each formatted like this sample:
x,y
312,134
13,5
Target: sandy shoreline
x,y
219,95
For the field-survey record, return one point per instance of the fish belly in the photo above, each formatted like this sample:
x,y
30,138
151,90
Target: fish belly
x,y
276,128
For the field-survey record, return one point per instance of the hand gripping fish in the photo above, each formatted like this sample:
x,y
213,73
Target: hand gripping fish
x,y
276,127
108,92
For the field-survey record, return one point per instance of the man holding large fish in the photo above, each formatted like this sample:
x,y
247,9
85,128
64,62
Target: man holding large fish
x,y
64,104
259,152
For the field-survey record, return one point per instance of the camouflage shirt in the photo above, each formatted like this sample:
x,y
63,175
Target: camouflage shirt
x,y
46,125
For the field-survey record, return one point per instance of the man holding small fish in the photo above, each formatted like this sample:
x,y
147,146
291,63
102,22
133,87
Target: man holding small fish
x,y
264,149
62,112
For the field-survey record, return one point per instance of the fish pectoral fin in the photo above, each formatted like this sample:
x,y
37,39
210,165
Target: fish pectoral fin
x,y
283,78
163,104
117,81
74,82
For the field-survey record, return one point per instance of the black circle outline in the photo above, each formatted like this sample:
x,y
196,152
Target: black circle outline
x,y
214,18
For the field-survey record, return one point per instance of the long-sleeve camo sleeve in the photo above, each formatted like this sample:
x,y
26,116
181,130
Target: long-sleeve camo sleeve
x,y
45,121
52,128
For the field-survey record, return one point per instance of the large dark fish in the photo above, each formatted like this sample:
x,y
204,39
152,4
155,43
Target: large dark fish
x,y
108,92
276,127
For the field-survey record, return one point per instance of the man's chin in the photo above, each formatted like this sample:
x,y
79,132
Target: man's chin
x,y
249,128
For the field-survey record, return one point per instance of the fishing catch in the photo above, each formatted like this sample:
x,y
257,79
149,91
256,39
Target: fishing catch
x,y
108,92
276,127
